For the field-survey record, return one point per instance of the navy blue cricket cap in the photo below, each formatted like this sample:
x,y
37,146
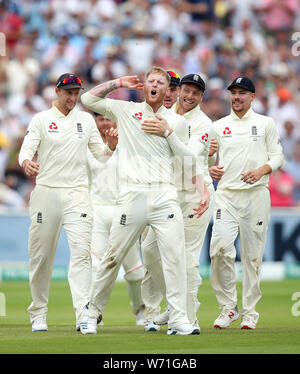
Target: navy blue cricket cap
x,y
68,81
242,82
194,79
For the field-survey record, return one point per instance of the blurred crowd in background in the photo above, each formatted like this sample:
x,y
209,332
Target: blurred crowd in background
x,y
101,40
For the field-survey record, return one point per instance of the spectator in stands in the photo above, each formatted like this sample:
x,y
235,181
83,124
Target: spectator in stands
x,y
289,138
284,109
21,69
293,167
3,153
106,38
276,15
11,24
281,186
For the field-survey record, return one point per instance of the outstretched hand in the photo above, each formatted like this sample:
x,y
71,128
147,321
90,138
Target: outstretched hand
x,y
131,82
203,206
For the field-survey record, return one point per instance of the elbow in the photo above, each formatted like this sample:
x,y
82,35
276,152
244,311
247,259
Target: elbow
x,y
84,100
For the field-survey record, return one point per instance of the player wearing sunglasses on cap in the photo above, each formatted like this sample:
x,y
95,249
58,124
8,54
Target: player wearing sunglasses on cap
x,y
61,137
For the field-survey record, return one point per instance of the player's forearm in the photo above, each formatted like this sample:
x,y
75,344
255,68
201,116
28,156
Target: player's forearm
x,y
25,154
103,89
264,170
276,161
212,160
94,99
179,148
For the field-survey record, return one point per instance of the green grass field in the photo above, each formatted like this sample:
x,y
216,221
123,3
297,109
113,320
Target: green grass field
x,y
278,331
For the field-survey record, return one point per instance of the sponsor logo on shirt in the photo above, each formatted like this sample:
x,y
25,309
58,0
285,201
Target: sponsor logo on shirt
x,y
138,115
53,127
204,138
227,132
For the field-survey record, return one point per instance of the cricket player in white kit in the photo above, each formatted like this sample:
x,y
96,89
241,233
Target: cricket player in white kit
x,y
148,194
151,287
249,150
191,92
61,137
104,189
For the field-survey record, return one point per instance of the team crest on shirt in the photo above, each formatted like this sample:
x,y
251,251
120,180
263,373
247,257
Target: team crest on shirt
x,y
254,134
138,115
227,132
79,130
53,127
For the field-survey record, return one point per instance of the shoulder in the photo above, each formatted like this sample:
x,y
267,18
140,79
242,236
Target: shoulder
x,y
205,117
176,117
261,117
42,116
84,114
264,120
221,121
206,121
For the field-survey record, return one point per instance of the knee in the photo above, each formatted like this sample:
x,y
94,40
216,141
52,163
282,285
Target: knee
x,y
222,248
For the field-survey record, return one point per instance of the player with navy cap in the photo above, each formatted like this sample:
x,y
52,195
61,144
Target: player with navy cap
x,y
249,150
61,137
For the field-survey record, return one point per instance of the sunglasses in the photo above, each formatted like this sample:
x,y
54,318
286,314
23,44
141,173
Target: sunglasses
x,y
67,80
173,74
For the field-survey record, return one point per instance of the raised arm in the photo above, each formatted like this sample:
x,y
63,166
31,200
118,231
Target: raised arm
x,y
94,98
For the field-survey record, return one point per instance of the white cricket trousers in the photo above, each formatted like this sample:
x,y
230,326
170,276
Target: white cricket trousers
x,y
244,212
153,285
132,264
50,210
137,209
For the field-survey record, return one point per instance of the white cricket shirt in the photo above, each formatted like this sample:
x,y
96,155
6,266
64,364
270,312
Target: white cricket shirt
x,y
145,160
200,130
104,182
61,143
246,144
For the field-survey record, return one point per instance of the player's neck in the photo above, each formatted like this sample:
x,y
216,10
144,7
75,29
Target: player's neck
x,y
180,110
155,106
63,109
